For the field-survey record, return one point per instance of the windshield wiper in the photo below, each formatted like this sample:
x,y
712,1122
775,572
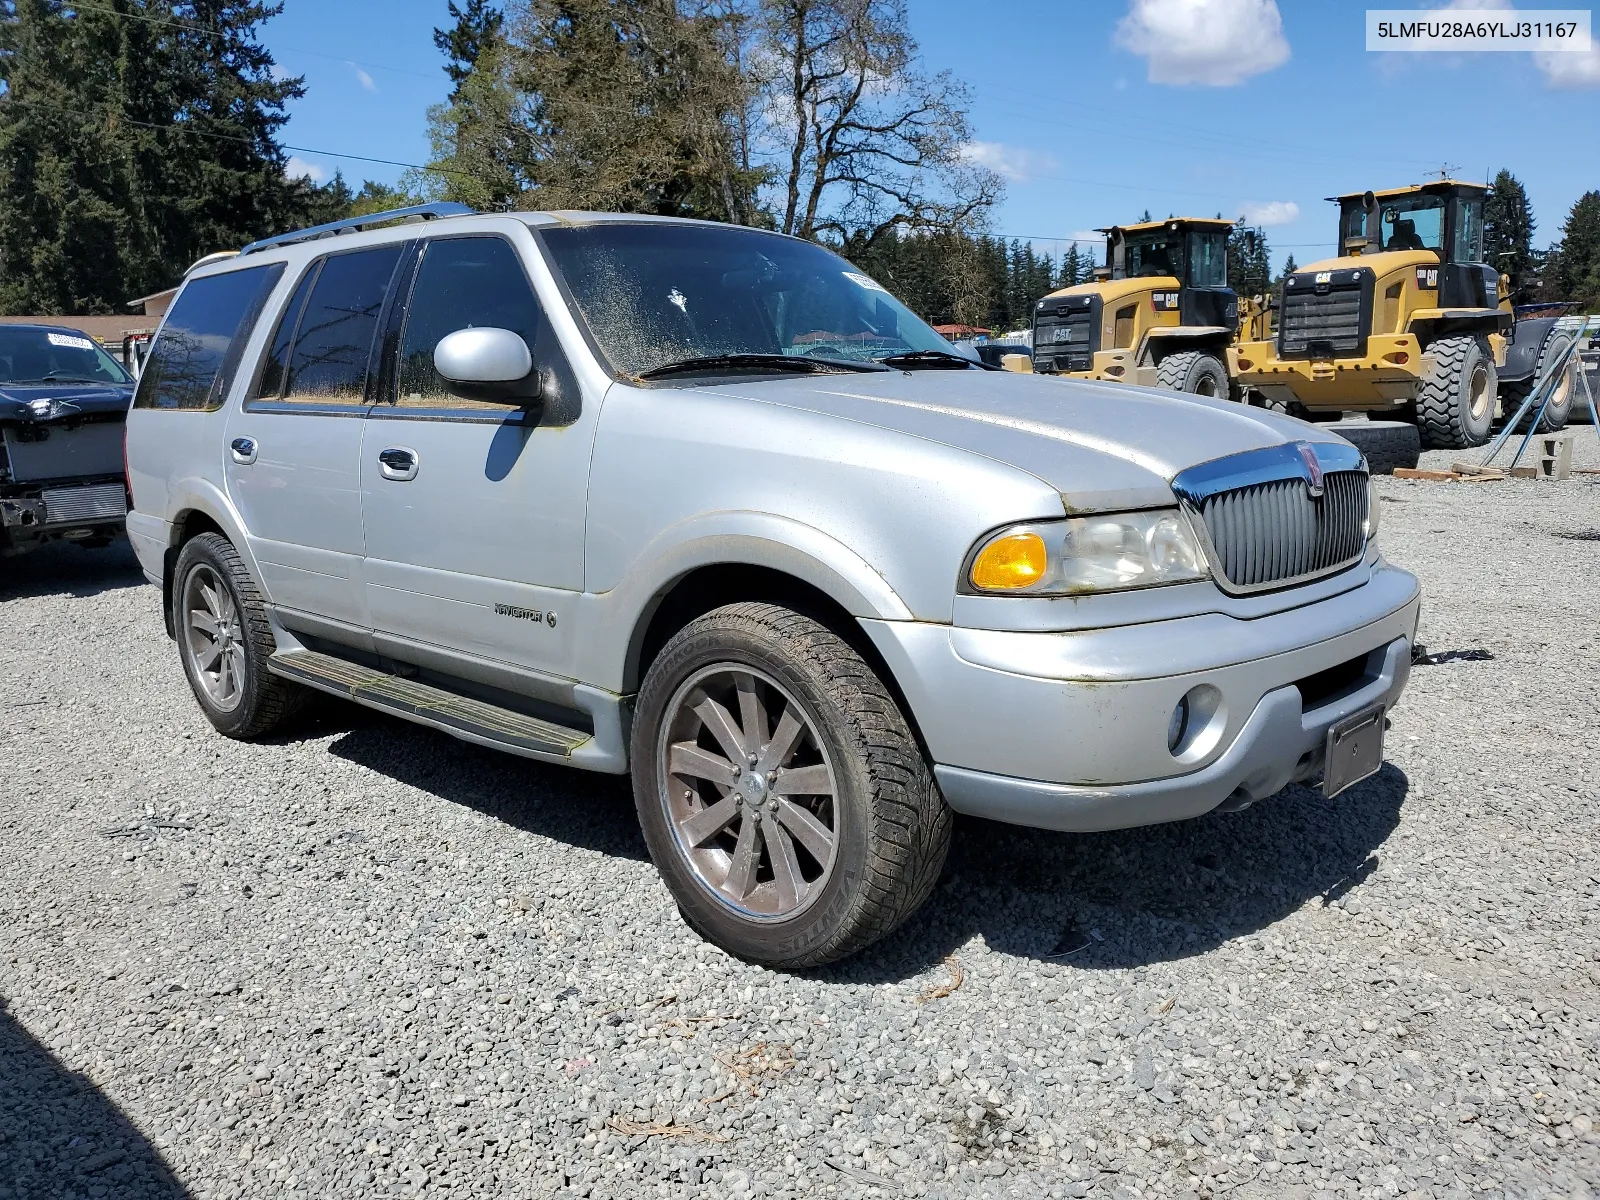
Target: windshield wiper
x,y
759,362
937,360
58,377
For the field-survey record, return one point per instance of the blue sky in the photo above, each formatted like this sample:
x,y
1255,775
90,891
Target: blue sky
x,y
1095,109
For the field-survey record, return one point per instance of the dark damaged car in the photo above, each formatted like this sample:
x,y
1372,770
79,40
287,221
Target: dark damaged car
x,y
63,405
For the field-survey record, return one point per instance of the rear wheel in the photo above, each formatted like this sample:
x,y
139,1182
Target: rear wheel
x,y
1195,372
1455,405
1559,408
783,797
224,641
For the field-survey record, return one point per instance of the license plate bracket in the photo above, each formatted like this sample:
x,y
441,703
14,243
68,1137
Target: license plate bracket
x,y
1354,751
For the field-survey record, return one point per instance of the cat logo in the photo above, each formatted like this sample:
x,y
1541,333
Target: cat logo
x,y
1164,301
1428,277
1324,277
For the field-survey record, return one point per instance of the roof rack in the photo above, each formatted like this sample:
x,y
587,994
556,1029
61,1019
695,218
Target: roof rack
x,y
422,212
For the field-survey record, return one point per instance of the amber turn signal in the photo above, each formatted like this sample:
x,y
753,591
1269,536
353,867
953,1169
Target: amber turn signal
x,y
1016,560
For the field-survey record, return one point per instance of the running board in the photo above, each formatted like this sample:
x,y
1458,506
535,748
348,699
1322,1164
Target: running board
x,y
472,720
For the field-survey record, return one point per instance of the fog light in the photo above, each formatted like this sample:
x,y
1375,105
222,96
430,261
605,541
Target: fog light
x,y
1178,725
1197,724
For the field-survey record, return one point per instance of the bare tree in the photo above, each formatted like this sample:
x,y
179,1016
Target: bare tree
x,y
862,141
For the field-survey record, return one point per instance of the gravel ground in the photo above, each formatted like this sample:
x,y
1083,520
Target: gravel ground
x,y
366,959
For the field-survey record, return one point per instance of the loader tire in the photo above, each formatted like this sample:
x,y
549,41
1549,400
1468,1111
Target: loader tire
x,y
1455,405
1385,444
1195,372
1559,410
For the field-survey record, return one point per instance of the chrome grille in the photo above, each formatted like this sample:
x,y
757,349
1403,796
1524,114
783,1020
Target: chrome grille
x,y
100,503
1274,533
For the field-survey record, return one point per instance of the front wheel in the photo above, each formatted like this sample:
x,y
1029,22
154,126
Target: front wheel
x,y
1455,404
1195,372
783,797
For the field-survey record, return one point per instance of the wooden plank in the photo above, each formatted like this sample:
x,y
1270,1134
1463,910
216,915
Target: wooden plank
x,y
1419,473
1465,468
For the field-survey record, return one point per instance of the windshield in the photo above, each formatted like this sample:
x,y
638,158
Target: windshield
x,y
1158,253
30,355
654,294
1413,223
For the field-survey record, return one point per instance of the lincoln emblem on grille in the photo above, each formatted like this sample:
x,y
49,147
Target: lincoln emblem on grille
x,y
1308,455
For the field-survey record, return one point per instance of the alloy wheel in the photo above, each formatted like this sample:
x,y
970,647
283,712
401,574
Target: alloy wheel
x,y
749,792
213,637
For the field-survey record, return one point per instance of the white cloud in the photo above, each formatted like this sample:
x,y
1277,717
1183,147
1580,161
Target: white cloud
x,y
1269,212
1016,163
1561,68
299,168
363,78
1214,42
1570,68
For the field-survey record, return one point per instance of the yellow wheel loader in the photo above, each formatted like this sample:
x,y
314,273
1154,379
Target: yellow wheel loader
x,y
1164,317
1407,321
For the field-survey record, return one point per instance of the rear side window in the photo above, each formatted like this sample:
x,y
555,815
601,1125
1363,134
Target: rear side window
x,y
197,353
333,343
275,365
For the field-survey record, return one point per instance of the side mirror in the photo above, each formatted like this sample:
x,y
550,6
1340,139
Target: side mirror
x,y
488,364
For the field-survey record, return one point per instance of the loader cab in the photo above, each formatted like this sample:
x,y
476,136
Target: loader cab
x,y
1192,250
1444,218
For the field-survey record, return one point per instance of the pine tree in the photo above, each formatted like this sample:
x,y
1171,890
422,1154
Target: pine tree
x,y
1070,267
477,26
1575,265
1249,261
1508,227
1289,268
129,148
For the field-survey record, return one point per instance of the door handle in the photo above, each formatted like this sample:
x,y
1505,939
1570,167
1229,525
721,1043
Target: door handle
x,y
243,450
398,463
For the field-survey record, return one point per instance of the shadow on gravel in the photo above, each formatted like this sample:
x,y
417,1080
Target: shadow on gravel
x,y
1138,896
61,569
60,1137
581,808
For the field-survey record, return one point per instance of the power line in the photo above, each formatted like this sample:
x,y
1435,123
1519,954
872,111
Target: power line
x,y
229,137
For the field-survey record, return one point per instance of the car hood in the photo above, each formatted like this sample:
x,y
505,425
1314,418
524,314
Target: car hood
x,y
76,400
1101,445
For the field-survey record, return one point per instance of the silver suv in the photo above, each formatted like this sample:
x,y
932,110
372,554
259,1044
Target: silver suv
x,y
709,505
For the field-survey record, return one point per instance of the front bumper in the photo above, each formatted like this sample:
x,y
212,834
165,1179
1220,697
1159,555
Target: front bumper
x,y
1069,730
1390,373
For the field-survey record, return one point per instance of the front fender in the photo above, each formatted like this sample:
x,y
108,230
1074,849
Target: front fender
x,y
615,621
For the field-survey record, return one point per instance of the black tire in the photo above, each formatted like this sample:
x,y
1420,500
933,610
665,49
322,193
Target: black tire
x,y
1386,444
264,701
1559,410
1195,372
891,826
1455,405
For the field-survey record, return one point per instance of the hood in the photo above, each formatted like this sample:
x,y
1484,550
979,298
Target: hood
x,y
1380,262
1101,445
76,400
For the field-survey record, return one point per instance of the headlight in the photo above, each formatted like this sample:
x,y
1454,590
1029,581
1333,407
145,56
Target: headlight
x,y
1372,508
1101,553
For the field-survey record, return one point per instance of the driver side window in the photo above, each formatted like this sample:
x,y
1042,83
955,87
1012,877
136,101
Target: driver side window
x,y
462,283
